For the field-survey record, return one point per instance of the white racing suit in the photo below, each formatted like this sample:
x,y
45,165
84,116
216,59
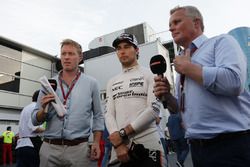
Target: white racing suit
x,y
130,100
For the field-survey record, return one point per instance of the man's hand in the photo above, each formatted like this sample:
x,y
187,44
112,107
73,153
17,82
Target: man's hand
x,y
122,153
120,148
40,116
46,99
95,151
181,63
115,139
161,87
39,130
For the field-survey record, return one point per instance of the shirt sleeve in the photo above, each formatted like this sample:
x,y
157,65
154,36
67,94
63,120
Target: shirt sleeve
x,y
228,73
98,118
110,120
152,110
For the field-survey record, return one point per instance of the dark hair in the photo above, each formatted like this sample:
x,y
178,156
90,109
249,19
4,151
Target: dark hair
x,y
35,96
9,128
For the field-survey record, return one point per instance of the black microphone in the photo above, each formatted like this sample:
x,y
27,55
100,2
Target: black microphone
x,y
158,66
53,83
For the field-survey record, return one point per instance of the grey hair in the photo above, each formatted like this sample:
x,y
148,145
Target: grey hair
x,y
191,11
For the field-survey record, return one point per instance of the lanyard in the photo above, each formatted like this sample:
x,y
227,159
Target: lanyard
x,y
65,97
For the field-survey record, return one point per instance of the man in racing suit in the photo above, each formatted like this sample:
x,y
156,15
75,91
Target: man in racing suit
x,y
132,109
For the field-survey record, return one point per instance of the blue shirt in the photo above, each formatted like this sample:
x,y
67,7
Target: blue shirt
x,y
83,105
221,104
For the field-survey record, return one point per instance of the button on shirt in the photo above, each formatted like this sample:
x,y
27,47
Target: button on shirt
x,y
82,104
221,104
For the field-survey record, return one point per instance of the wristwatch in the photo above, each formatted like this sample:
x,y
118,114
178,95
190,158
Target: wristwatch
x,y
123,134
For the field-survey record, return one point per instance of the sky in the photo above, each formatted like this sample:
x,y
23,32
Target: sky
x,y
43,24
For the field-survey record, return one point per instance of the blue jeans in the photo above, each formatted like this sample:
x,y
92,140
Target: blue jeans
x,y
182,149
229,152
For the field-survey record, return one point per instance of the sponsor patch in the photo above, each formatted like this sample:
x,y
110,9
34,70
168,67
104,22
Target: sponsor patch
x,y
136,84
137,79
129,94
117,88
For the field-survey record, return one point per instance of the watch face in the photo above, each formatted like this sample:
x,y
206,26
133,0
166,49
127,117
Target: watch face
x,y
122,133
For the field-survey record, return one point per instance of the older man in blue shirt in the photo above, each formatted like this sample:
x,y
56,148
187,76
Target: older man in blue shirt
x,y
210,92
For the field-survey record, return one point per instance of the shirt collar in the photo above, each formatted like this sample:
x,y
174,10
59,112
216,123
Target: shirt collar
x,y
199,41
130,68
61,71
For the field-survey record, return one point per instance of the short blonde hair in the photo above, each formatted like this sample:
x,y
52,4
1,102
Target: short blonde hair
x,y
73,43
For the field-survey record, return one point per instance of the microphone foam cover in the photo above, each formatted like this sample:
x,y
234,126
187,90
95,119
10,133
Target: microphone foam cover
x,y
158,64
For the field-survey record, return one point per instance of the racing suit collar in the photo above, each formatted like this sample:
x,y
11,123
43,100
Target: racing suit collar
x,y
130,68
